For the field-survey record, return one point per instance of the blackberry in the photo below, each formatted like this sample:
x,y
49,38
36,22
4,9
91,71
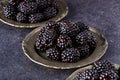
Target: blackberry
x,y
21,17
102,66
109,75
53,53
27,7
86,37
68,28
14,2
53,24
82,38
70,55
9,11
92,42
43,3
45,40
81,26
84,50
50,12
64,41
54,4
35,17
86,75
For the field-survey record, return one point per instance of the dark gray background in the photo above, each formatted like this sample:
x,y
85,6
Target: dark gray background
x,y
101,14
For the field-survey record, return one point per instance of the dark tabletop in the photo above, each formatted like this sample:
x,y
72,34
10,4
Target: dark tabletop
x,y
101,14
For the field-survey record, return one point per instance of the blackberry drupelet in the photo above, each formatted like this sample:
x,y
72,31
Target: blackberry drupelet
x,y
9,11
14,2
53,53
45,40
70,55
68,28
84,51
36,17
43,3
64,41
27,7
81,26
50,12
21,17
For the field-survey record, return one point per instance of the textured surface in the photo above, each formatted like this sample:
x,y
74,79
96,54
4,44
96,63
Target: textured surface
x,y
101,14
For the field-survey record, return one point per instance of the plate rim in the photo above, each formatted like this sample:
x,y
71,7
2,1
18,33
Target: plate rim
x,y
37,29
35,25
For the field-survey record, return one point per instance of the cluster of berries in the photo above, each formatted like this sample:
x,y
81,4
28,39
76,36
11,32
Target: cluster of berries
x,y
30,11
101,70
66,41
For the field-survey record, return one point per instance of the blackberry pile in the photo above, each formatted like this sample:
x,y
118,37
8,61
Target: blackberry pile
x,y
30,11
101,70
66,41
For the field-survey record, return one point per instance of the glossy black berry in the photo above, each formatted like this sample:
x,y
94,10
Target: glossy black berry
x,y
46,40
27,7
53,53
84,50
70,55
21,17
64,41
43,3
9,11
14,2
81,26
50,12
68,28
36,17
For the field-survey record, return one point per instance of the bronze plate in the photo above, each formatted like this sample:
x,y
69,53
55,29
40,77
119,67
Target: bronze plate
x,y
74,74
63,11
28,48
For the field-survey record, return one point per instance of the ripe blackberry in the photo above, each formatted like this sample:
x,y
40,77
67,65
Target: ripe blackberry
x,y
70,55
27,7
64,41
86,37
14,2
81,26
86,75
92,42
53,24
43,3
21,17
84,50
53,53
82,38
68,28
9,12
50,12
35,17
102,66
45,40
108,75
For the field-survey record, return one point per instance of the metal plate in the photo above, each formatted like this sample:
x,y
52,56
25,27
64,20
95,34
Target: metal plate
x,y
63,11
74,74
28,48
